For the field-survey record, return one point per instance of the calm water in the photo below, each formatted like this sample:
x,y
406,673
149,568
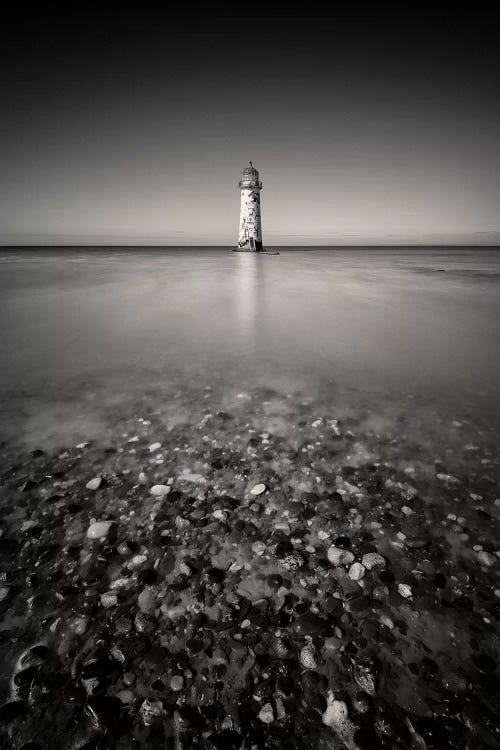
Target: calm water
x,y
400,322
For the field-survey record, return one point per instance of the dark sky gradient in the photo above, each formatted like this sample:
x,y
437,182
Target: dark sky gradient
x,y
133,126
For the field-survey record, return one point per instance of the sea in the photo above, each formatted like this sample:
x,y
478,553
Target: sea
x,y
387,325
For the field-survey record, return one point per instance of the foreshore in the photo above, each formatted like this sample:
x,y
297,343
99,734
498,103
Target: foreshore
x,y
278,574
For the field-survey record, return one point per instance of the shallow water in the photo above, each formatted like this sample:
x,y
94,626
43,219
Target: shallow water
x,y
359,388
405,321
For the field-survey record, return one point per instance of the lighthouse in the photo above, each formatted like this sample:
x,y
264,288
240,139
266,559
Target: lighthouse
x,y
250,237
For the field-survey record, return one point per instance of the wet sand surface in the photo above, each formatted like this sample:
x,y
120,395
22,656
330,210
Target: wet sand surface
x,y
233,557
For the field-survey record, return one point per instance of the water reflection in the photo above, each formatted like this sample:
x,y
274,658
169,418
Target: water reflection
x,y
249,297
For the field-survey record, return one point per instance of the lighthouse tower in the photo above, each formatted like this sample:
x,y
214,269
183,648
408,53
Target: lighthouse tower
x,y
250,238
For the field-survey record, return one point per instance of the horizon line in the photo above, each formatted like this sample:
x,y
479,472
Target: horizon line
x,y
97,246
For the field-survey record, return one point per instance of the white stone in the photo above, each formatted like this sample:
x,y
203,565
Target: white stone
x,y
373,560
333,424
137,560
154,447
338,556
27,525
486,558
99,529
266,714
220,515
258,548
79,624
356,571
109,600
4,592
146,600
160,490
258,489
190,476
336,714
94,484
404,590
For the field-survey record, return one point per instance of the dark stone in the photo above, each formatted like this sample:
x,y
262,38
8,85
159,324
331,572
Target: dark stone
x,y
214,575
147,576
194,646
103,711
309,624
227,739
100,667
342,541
29,484
274,581
12,710
319,703
359,604
333,605
129,647
484,662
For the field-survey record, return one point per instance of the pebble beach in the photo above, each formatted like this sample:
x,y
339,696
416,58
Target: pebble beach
x,y
277,574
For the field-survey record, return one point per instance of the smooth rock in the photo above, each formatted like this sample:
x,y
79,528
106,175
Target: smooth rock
x,y
356,571
338,556
160,490
266,714
109,600
258,489
94,484
486,558
146,600
177,682
99,529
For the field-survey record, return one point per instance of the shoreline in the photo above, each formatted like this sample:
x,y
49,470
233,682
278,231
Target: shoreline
x,y
213,581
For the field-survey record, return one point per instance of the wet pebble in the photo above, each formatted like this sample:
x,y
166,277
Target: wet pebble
x,y
356,571
292,561
109,599
99,529
177,683
266,714
94,483
404,590
373,560
309,624
308,657
486,558
160,490
338,556
151,711
258,489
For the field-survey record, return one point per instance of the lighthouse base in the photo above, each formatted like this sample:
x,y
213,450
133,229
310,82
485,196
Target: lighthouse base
x,y
254,246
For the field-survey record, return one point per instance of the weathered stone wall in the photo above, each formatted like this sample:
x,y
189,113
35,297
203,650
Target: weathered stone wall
x,y
250,220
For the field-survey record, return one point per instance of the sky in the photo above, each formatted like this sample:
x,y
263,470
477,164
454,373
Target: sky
x,y
133,126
